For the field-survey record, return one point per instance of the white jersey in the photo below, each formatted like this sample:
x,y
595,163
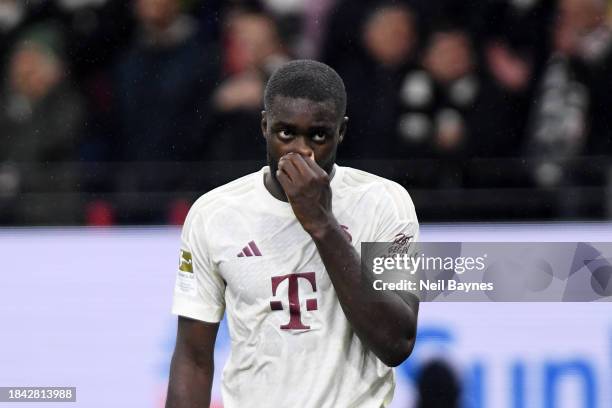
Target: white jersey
x,y
244,253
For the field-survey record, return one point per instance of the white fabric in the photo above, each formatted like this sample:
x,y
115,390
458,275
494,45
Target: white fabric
x,y
325,365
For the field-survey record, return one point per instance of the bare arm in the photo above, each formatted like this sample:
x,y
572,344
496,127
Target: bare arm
x,y
192,367
386,322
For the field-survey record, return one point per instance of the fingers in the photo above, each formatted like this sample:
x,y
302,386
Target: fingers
x,y
286,166
284,181
296,167
296,172
303,165
314,167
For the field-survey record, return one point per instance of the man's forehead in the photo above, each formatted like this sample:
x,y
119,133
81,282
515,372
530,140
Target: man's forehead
x,y
285,108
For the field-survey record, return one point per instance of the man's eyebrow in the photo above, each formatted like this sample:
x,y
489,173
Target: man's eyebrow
x,y
323,128
315,128
280,123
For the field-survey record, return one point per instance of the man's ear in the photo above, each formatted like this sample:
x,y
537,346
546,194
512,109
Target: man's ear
x,y
342,131
264,123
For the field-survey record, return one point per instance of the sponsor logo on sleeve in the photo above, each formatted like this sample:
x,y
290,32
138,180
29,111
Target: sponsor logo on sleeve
x,y
186,282
186,263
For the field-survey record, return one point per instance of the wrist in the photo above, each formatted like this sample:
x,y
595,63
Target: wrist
x,y
323,230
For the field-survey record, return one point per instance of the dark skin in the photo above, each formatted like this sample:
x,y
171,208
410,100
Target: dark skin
x,y
302,138
192,366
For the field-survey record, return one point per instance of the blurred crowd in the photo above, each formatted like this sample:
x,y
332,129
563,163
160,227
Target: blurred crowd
x,y
147,84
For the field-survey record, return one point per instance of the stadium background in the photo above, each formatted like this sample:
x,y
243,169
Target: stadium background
x,y
120,113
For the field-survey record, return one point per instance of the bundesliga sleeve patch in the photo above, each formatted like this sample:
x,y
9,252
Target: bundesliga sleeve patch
x,y
185,282
186,264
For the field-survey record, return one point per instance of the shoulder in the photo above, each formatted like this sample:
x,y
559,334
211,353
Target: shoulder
x,y
368,183
355,177
209,204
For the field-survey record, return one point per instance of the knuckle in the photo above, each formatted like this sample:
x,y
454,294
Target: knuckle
x,y
312,183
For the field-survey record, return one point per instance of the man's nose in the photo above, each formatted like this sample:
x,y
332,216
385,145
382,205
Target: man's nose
x,y
301,146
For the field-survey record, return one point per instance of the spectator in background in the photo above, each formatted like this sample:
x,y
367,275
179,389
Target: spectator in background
x,y
15,17
344,29
288,16
438,386
513,48
98,32
574,103
161,84
253,50
387,52
41,116
314,23
162,79
503,105
302,23
438,100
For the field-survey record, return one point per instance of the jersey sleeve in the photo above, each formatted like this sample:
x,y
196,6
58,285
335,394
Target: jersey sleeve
x,y
199,291
398,228
397,220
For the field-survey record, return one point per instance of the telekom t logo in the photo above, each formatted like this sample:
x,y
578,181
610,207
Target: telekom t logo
x,y
295,313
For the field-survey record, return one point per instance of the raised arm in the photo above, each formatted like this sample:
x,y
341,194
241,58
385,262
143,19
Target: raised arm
x,y
386,321
192,367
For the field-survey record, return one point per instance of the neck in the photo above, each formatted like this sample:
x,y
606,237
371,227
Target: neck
x,y
274,187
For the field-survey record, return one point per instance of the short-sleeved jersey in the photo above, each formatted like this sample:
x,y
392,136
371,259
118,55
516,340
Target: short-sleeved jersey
x,y
245,254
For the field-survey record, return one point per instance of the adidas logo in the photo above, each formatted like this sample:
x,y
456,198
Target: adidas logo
x,y
250,250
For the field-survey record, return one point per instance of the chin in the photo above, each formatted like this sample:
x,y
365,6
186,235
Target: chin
x,y
328,165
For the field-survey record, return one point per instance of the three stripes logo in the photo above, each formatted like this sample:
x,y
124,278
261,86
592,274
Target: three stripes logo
x,y
250,250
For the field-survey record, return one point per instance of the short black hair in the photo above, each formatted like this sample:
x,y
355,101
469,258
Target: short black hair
x,y
307,79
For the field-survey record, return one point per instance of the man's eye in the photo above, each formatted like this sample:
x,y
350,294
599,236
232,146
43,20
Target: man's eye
x,y
285,134
319,137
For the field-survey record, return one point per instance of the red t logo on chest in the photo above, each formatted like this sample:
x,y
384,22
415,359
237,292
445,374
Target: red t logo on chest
x,y
295,313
